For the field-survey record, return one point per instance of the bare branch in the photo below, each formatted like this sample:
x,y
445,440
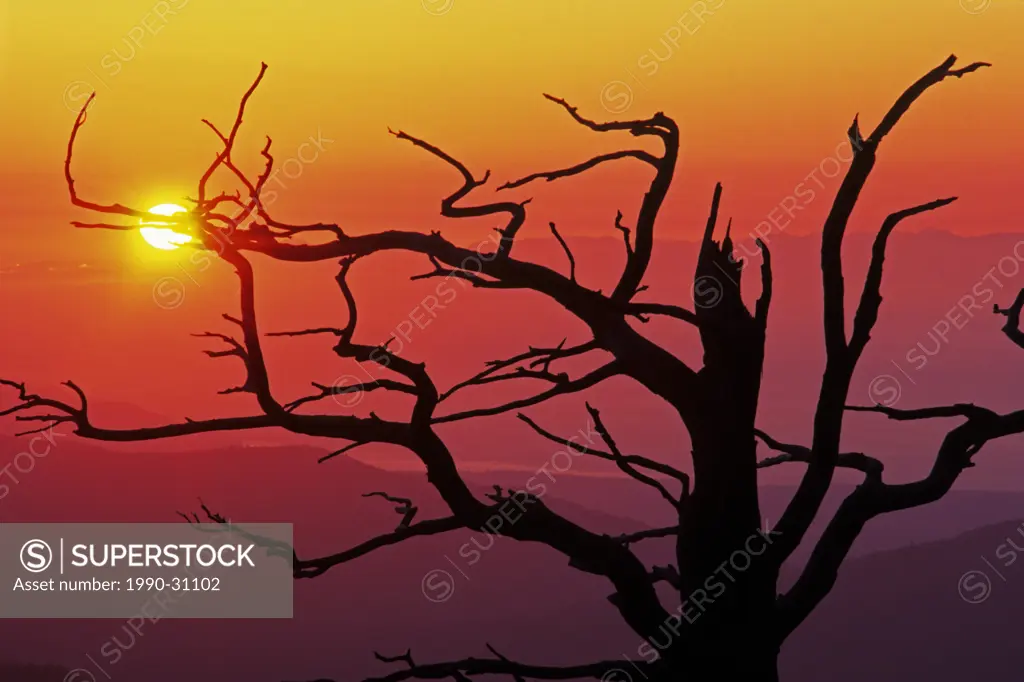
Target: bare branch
x,y
650,533
26,401
103,226
308,332
362,387
841,359
659,124
871,297
229,141
967,410
635,460
572,386
936,75
342,451
470,667
516,211
627,467
117,209
875,498
312,568
257,378
255,203
474,279
675,311
516,677
665,128
625,234
568,252
425,391
551,176
539,357
799,453
403,506
853,182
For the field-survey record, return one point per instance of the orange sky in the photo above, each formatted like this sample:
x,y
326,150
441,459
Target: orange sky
x,y
763,93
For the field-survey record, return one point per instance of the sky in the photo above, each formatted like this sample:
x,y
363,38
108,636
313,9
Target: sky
x,y
763,94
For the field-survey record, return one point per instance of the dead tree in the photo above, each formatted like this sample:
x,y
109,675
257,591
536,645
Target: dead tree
x,y
718,513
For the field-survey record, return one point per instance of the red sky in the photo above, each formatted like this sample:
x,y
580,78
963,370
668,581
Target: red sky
x,y
763,92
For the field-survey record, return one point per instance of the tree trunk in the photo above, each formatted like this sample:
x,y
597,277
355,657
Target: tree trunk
x,y
727,583
739,658
740,663
741,652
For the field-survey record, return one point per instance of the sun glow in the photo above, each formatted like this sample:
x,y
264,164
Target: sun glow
x,y
163,237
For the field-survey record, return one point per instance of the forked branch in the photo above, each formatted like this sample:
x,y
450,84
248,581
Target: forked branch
x,y
659,125
516,211
800,453
841,356
633,460
627,467
874,498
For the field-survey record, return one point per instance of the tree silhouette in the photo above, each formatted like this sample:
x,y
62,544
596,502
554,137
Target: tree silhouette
x,y
718,512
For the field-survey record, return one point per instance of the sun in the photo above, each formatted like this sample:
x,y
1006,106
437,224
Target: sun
x,y
163,237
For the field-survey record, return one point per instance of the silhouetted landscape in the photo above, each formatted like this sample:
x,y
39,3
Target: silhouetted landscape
x,y
899,595
533,342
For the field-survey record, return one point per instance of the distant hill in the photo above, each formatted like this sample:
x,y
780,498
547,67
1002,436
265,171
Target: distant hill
x,y
934,612
519,597
936,341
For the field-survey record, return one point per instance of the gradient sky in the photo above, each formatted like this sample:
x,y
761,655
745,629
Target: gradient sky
x,y
763,93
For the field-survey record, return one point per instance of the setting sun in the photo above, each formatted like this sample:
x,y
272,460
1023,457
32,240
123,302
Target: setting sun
x,y
164,237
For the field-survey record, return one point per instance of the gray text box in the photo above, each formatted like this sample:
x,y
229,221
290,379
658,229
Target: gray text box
x,y
145,570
